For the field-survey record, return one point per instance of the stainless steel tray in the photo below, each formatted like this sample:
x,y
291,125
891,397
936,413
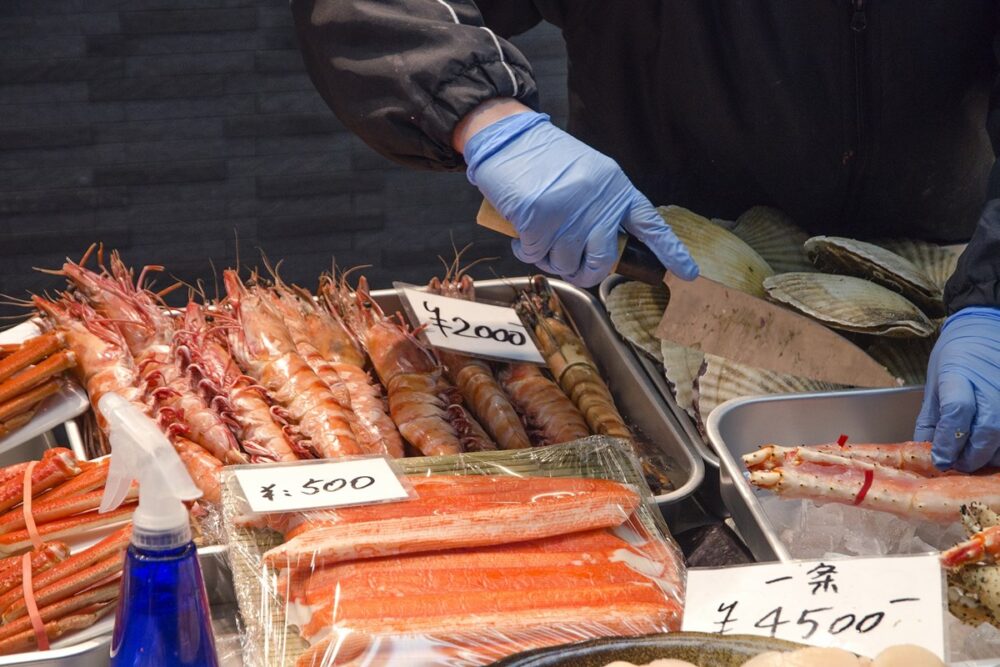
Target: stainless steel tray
x,y
739,426
692,437
636,397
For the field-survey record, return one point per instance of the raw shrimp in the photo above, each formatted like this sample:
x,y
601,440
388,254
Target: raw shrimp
x,y
569,360
552,418
103,361
236,397
474,378
148,330
427,409
263,346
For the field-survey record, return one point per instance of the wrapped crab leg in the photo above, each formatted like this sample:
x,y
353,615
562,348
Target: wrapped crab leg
x,y
237,398
427,409
30,352
20,540
263,346
474,378
802,472
60,609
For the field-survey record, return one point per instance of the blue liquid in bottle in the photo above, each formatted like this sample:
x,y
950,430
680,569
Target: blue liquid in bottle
x,y
163,617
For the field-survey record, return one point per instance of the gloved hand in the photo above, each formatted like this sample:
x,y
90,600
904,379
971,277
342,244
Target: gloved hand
x,y
567,201
961,408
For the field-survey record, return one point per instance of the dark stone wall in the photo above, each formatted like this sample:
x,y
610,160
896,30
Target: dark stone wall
x,y
184,131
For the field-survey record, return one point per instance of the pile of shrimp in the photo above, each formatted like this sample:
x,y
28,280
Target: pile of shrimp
x,y
271,372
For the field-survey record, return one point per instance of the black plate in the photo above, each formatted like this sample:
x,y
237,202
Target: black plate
x,y
705,650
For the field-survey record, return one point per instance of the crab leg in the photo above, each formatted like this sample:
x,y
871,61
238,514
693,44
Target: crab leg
x,y
17,422
42,559
12,471
983,546
57,464
25,641
115,543
67,586
876,487
30,377
101,594
93,477
50,510
18,541
30,352
23,403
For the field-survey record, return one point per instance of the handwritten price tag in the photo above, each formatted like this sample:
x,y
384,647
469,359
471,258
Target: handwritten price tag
x,y
859,604
318,484
478,329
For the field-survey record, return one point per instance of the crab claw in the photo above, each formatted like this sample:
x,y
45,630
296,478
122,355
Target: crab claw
x,y
984,546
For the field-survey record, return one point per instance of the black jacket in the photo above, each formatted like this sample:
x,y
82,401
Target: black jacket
x,y
862,118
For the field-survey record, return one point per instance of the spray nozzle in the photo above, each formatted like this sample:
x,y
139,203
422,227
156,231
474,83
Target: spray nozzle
x,y
140,452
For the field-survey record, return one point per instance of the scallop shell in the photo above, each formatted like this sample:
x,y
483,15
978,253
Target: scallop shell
x,y
722,379
937,262
720,254
681,366
848,303
636,309
775,238
906,358
866,260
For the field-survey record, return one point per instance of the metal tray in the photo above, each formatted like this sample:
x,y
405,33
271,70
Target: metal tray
x,y
741,425
636,398
692,437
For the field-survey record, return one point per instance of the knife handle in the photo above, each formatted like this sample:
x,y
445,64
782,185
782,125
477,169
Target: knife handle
x,y
635,260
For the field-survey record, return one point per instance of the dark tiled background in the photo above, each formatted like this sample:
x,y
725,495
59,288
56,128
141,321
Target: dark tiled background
x,y
180,130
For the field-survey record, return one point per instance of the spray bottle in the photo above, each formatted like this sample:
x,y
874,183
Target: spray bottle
x,y
163,613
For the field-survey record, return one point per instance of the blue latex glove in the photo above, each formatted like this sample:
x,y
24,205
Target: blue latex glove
x,y
961,409
567,201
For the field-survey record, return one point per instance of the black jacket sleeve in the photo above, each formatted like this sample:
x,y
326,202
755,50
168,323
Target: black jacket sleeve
x,y
976,281
402,73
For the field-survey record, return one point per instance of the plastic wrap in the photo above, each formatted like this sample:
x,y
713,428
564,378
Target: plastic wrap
x,y
500,552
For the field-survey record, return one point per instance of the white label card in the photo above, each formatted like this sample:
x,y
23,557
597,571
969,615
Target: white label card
x,y
478,329
320,484
862,605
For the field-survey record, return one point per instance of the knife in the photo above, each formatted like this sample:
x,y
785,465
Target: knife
x,y
708,316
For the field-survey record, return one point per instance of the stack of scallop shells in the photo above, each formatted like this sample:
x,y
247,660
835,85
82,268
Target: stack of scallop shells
x,y
884,296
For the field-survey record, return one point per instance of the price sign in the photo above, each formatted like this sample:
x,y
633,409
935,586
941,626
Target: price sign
x,y
320,484
472,328
859,604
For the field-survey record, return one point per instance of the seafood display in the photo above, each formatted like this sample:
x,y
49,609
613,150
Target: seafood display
x,y
887,296
48,586
479,565
272,372
30,372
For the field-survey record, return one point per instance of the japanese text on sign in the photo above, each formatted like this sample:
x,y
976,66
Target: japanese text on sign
x,y
859,604
478,329
312,485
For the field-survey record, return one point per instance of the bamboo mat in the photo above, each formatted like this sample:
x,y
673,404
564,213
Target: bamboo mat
x,y
270,642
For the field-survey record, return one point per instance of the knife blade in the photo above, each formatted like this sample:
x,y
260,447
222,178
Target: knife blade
x,y
708,316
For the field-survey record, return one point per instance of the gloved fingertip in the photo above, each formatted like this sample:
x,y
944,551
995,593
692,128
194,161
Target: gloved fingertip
x,y
923,434
686,270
